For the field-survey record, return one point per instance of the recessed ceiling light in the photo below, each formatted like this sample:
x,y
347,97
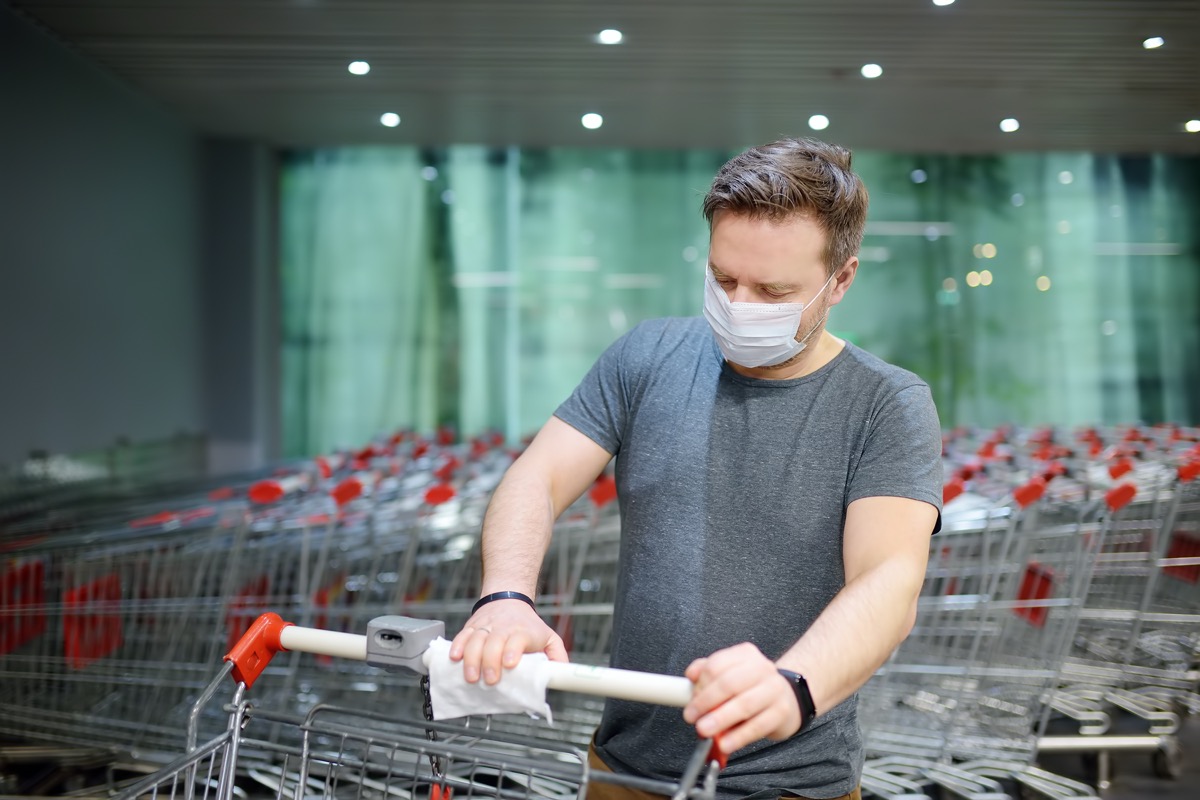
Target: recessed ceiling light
x,y
610,36
818,122
1043,283
943,2
390,119
359,68
1009,125
871,70
1154,42
592,121
1192,126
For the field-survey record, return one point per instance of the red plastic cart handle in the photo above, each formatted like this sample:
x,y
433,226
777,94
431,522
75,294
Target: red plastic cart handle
x,y
1029,493
254,651
1120,467
718,755
1120,496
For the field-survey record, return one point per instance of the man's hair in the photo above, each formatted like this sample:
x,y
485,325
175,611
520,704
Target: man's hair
x,y
796,178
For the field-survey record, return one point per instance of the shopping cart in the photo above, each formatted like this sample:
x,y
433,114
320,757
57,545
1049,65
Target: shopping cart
x,y
93,644
333,753
1132,674
109,628
960,706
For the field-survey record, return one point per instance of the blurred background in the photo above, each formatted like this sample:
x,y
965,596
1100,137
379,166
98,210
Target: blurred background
x,y
283,227
287,283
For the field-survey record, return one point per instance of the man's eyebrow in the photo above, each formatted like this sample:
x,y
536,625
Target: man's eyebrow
x,y
772,287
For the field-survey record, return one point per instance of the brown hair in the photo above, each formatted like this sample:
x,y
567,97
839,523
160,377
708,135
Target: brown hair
x,y
796,177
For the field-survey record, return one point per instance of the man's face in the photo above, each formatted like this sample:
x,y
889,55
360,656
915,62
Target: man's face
x,y
760,261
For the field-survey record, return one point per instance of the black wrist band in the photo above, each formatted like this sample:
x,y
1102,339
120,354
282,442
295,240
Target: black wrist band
x,y
808,709
487,598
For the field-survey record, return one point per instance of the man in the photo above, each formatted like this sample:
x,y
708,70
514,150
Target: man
x,y
778,487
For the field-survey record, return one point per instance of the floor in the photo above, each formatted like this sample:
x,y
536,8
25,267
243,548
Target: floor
x,y
1133,774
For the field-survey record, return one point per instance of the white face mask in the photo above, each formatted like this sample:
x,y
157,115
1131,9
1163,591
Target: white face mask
x,y
755,334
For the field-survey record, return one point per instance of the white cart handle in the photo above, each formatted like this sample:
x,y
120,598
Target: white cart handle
x,y
270,635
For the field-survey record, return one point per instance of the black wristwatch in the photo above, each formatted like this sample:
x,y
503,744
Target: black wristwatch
x,y
808,710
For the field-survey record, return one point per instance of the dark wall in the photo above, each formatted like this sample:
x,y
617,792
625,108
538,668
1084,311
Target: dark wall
x,y
136,273
240,303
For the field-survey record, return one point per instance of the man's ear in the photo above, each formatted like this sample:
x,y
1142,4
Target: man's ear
x,y
842,280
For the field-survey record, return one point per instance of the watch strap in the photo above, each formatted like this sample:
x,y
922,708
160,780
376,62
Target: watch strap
x,y
808,709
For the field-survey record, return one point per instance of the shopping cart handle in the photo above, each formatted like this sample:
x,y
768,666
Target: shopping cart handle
x,y
394,641
620,684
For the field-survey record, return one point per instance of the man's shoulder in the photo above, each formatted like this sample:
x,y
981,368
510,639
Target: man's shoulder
x,y
663,335
869,369
659,327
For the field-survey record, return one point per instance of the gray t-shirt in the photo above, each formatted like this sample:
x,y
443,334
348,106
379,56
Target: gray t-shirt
x,y
733,495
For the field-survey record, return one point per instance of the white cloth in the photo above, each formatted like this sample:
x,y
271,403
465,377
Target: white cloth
x,y
520,690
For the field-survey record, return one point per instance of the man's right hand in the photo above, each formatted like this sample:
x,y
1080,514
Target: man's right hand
x,y
497,635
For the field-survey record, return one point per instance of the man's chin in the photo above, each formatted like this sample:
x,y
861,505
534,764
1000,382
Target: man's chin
x,y
772,367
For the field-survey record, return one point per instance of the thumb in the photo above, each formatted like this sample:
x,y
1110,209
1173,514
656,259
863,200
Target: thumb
x,y
555,649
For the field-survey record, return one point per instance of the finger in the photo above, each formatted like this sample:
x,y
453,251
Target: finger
x,y
492,655
459,643
556,650
714,689
692,673
473,654
515,646
736,710
739,736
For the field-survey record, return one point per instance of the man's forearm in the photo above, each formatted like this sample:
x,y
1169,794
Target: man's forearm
x,y
857,632
516,532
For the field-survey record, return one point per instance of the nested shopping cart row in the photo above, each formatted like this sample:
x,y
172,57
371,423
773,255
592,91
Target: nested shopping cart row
x,y
1060,573
1056,605
106,635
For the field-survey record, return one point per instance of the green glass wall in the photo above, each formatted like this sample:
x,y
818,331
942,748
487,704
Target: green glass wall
x,y
474,287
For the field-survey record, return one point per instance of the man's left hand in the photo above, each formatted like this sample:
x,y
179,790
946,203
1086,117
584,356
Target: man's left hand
x,y
740,698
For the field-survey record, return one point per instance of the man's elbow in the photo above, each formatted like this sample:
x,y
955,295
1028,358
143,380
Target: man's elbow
x,y
910,622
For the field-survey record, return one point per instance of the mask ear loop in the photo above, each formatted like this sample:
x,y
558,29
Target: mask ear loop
x,y
825,316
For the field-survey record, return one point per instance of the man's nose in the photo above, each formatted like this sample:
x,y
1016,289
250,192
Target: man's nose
x,y
742,294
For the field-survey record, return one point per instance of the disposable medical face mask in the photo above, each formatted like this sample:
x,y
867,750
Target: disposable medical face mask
x,y
755,334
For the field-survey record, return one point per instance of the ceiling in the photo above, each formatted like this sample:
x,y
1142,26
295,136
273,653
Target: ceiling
x,y
689,73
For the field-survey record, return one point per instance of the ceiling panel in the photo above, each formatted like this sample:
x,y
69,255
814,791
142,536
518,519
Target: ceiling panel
x,y
689,74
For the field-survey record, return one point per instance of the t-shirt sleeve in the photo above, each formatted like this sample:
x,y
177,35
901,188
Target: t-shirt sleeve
x,y
902,454
600,405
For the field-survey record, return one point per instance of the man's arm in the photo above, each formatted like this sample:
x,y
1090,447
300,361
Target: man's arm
x,y
740,696
556,468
